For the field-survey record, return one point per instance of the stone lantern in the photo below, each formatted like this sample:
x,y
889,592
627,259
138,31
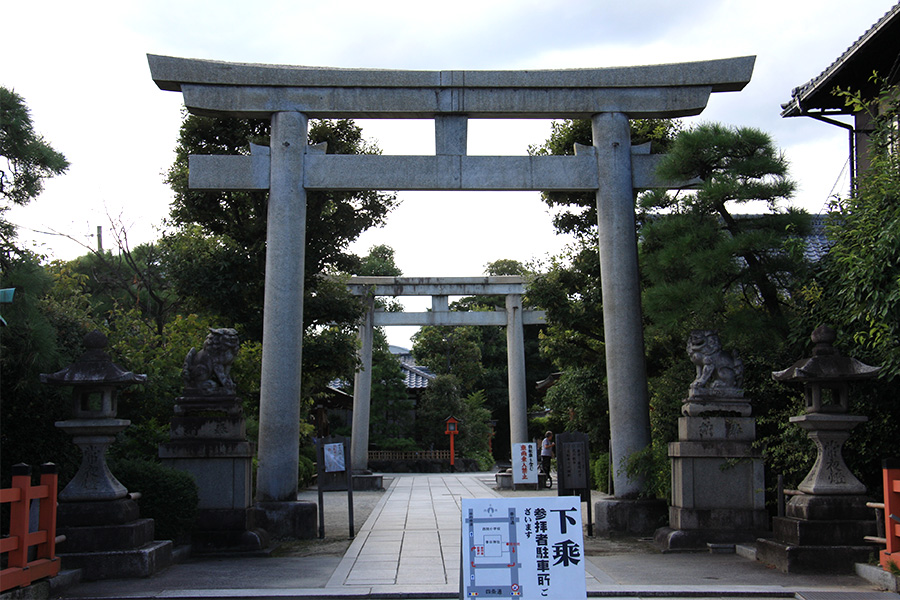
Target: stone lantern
x,y
825,523
95,382
826,378
105,536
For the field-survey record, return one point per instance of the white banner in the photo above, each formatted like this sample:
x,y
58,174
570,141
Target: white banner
x,y
525,462
523,547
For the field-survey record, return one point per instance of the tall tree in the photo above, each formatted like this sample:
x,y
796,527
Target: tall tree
x,y
27,160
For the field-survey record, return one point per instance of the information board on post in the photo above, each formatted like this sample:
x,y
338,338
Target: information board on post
x,y
522,548
524,463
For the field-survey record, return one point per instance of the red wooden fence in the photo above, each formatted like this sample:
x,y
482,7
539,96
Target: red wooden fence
x,y
891,514
409,454
19,570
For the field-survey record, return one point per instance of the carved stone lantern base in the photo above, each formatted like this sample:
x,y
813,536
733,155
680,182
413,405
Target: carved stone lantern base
x,y
829,474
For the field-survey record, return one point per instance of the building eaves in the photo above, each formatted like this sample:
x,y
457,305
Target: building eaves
x,y
878,49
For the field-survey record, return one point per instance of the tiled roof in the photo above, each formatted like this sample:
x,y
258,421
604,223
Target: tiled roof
x,y
817,243
417,378
878,49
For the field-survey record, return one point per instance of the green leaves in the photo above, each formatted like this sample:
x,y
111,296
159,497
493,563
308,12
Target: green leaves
x,y
29,159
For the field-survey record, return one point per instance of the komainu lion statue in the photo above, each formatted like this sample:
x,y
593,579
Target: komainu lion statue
x,y
209,371
718,371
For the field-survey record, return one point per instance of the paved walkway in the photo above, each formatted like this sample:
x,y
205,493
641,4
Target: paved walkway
x,y
409,547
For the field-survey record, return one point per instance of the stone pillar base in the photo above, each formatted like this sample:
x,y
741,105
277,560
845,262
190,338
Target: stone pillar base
x,y
628,517
689,540
286,519
820,534
108,540
788,558
228,531
367,482
120,564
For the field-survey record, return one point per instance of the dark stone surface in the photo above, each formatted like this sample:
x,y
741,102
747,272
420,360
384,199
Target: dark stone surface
x,y
724,519
106,512
221,519
119,564
674,540
639,517
367,483
811,559
821,533
821,507
107,537
286,519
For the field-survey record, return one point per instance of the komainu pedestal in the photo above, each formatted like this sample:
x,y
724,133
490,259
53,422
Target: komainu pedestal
x,y
717,479
208,439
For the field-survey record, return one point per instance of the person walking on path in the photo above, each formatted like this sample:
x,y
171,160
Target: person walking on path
x,y
547,445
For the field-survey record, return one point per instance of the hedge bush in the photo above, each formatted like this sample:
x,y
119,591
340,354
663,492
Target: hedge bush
x,y
168,496
600,473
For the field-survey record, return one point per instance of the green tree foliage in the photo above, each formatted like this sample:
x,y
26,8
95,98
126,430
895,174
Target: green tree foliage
x,y
379,262
42,336
219,244
134,278
215,257
736,166
444,399
576,213
447,350
573,341
392,410
27,159
441,399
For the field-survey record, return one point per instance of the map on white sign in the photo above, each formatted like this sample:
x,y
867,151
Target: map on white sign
x,y
524,463
522,548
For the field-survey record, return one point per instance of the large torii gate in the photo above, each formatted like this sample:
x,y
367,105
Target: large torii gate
x,y
514,317
290,95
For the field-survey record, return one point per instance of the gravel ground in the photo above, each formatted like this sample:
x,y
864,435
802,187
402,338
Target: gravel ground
x,y
337,522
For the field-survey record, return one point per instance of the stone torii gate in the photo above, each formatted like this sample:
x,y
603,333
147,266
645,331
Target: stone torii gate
x,y
290,95
513,317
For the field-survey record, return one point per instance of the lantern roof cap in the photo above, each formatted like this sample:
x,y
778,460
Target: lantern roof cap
x,y
826,363
94,367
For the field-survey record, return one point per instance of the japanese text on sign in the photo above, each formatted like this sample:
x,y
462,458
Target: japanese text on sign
x,y
523,548
524,463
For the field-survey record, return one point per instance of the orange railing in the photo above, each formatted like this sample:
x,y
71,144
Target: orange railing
x,y
891,555
20,571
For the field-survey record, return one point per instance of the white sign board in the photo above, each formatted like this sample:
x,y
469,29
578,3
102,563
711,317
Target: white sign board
x,y
525,461
522,548
334,457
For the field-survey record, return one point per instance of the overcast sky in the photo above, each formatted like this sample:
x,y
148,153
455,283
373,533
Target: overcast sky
x,y
82,69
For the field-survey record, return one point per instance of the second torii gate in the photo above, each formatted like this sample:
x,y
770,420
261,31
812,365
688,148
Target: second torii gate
x,y
290,95
514,318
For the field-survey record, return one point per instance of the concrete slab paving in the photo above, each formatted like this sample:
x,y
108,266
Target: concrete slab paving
x,y
399,553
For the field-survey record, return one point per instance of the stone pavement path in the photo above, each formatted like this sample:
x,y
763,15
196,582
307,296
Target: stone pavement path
x,y
412,538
